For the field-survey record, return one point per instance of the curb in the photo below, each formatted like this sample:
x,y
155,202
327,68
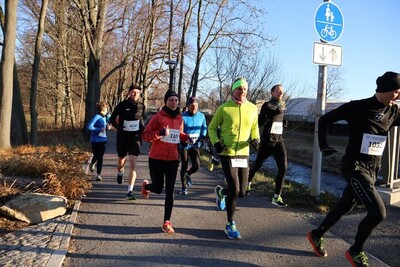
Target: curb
x,y
58,255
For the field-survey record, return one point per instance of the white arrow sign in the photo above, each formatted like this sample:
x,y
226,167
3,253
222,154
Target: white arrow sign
x,y
327,54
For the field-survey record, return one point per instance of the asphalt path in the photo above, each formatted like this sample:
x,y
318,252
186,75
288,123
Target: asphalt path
x,y
113,231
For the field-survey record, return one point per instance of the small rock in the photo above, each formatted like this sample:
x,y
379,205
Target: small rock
x,y
34,207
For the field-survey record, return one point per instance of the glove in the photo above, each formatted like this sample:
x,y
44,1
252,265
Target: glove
x,y
162,132
285,123
255,143
327,151
219,147
190,140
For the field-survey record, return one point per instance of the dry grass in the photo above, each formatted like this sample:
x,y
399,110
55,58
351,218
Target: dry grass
x,y
51,168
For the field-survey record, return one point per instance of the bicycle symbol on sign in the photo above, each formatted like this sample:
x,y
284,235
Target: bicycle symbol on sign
x,y
328,30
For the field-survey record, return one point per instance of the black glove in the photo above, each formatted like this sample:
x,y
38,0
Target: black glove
x,y
285,123
255,143
162,132
327,151
219,147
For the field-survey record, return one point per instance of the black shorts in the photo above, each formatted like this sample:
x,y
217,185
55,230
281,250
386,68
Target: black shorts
x,y
127,145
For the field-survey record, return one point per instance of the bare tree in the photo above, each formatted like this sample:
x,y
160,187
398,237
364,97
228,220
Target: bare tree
x,y
7,67
19,132
35,72
181,56
335,86
223,19
232,60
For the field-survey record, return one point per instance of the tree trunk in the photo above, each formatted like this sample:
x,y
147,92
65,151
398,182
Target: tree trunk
x,y
93,92
7,68
35,72
19,131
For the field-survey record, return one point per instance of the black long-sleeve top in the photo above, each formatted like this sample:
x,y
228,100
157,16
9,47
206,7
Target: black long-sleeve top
x,y
128,110
368,121
271,118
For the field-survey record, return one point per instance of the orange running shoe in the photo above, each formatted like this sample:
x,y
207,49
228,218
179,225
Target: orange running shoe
x,y
145,193
167,227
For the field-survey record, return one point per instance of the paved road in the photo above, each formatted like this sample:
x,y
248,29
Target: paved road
x,y
113,231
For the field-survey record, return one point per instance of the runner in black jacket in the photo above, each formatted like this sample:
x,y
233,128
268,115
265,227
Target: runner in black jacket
x,y
128,119
271,117
369,121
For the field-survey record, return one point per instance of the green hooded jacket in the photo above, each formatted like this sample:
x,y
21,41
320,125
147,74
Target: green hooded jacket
x,y
238,124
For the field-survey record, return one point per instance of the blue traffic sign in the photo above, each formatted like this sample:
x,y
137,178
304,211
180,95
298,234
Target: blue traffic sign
x,y
329,22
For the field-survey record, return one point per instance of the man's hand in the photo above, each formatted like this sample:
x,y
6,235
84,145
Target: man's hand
x,y
255,143
219,147
164,131
327,151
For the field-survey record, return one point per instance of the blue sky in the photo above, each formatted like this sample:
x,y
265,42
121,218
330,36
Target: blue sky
x,y
370,41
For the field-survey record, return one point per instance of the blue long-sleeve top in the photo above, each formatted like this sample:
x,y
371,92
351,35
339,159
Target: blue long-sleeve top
x,y
196,126
95,126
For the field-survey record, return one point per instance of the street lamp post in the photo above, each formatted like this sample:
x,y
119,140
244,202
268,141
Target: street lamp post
x,y
172,68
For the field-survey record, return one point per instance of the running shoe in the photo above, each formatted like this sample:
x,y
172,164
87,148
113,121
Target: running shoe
x,y
248,189
167,228
145,193
120,177
188,180
317,244
231,231
98,177
220,199
277,201
216,161
91,167
183,192
210,166
357,259
130,196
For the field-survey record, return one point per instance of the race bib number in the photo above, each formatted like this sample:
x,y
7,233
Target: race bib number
x,y
172,138
131,126
194,137
103,134
239,163
277,128
373,144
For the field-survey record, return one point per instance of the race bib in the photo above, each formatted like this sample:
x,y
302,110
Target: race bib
x,y
194,137
239,163
172,138
131,126
373,144
277,127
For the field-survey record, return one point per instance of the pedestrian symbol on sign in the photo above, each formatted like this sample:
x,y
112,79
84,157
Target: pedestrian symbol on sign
x,y
329,14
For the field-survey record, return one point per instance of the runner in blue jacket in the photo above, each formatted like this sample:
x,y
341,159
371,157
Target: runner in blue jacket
x,y
98,130
195,125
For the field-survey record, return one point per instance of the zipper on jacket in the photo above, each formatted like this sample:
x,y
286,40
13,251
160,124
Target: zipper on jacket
x,y
240,124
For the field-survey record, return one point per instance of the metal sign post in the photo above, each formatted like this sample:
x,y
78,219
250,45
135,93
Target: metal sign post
x,y
320,110
329,27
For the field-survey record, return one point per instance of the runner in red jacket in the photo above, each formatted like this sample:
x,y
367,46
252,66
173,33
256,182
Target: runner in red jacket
x,y
165,132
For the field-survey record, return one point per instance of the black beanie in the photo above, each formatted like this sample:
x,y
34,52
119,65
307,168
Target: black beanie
x,y
134,87
191,100
388,82
168,94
